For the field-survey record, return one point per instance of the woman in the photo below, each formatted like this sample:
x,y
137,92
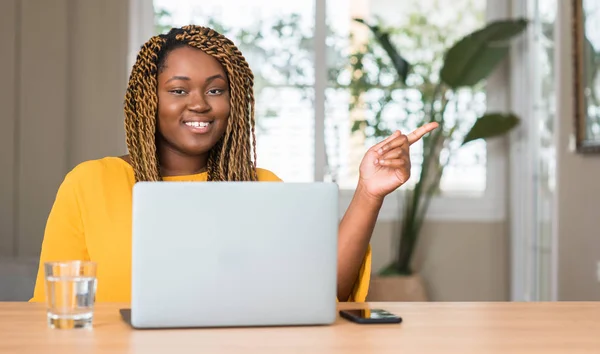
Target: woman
x,y
189,116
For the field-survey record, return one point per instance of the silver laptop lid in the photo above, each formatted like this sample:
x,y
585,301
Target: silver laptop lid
x,y
234,254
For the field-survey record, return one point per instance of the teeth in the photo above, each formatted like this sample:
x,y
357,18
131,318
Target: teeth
x,y
197,124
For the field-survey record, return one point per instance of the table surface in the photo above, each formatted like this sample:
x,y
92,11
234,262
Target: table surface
x,y
510,327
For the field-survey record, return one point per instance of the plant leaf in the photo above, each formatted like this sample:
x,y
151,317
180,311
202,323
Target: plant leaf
x,y
491,125
475,56
401,65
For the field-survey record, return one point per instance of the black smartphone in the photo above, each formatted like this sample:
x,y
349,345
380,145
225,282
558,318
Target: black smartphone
x,y
368,316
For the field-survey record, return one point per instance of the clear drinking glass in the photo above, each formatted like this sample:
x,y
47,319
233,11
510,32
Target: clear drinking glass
x,y
70,293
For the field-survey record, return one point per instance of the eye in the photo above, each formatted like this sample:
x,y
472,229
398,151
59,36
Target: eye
x,y
178,92
215,91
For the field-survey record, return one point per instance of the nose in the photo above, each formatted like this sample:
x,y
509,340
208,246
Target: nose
x,y
197,102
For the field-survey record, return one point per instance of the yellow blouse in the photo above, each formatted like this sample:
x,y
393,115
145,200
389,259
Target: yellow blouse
x,y
91,220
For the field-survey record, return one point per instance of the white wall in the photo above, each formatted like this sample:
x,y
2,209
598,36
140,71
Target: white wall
x,y
578,195
458,261
64,73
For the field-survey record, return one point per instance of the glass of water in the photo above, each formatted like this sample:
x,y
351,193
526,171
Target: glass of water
x,y
70,293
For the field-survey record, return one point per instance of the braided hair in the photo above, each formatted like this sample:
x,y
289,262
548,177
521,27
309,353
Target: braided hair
x,y
233,158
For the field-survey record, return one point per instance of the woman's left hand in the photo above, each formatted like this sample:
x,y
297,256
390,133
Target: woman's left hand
x,y
386,166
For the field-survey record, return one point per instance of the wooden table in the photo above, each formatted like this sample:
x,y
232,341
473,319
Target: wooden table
x,y
483,328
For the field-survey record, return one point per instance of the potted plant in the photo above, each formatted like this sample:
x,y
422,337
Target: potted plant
x,y
464,66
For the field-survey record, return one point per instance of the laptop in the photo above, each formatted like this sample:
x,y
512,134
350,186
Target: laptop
x,y
231,254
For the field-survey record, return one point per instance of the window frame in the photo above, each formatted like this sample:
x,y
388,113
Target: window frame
x,y
489,207
528,244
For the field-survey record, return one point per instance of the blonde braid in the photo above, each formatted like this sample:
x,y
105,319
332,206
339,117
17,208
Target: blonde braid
x,y
140,112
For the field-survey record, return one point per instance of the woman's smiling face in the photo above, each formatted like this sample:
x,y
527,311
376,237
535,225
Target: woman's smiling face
x,y
193,102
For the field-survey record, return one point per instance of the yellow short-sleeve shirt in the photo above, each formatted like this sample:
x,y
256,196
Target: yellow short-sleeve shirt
x,y
91,220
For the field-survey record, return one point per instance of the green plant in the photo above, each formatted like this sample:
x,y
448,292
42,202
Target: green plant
x,y
464,66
